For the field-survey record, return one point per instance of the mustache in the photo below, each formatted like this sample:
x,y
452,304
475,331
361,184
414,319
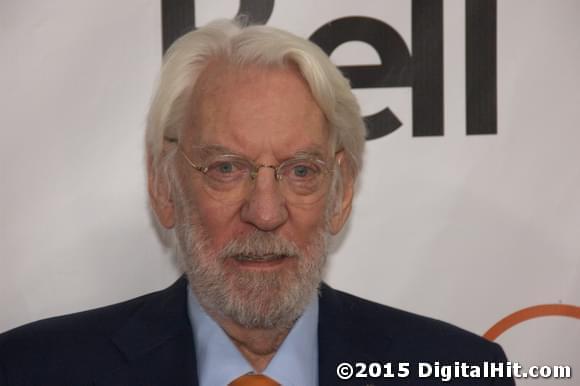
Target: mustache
x,y
259,244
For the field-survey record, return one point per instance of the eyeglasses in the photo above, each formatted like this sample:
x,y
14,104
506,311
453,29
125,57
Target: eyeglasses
x,y
230,178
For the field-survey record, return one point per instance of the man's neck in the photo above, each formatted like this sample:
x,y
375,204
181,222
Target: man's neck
x,y
257,345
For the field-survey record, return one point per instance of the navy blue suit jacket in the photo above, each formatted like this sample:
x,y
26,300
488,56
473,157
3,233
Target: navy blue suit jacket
x,y
148,341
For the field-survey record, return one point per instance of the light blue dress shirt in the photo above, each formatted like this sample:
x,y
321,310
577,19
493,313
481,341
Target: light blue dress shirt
x,y
219,362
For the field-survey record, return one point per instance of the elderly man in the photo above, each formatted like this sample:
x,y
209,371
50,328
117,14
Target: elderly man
x,y
254,142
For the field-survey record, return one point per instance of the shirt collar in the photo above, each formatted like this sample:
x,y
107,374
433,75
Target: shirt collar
x,y
219,361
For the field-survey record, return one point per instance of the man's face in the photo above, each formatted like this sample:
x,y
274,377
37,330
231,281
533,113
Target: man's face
x,y
256,260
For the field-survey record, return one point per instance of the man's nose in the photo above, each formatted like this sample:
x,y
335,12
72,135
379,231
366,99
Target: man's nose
x,y
265,207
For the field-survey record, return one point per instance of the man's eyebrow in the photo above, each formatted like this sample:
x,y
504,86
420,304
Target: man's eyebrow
x,y
310,151
314,151
214,149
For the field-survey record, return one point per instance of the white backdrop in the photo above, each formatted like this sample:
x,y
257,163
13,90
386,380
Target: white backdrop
x,y
467,229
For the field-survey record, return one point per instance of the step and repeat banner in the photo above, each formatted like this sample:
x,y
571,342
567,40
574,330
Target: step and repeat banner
x,y
468,208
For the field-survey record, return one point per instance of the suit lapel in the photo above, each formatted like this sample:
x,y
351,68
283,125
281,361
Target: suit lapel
x,y
157,343
344,335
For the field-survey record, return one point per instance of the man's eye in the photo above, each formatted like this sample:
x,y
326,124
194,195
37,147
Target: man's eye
x,y
225,167
302,171
226,170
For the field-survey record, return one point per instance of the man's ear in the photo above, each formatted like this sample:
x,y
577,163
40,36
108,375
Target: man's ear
x,y
160,195
343,200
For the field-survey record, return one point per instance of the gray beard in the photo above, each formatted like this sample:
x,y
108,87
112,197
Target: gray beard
x,y
263,300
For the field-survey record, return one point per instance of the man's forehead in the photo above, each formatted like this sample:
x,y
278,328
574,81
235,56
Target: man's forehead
x,y
251,106
220,77
223,71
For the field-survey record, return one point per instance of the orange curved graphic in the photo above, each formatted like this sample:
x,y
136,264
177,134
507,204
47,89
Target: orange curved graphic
x,y
531,313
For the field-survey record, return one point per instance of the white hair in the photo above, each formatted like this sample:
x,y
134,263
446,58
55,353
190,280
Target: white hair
x,y
241,45
251,45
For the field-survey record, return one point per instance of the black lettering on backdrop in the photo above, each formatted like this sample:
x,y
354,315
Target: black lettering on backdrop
x,y
394,70
257,11
481,66
427,31
423,70
178,16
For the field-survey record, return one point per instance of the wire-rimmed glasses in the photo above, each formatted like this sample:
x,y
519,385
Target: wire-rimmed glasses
x,y
229,178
